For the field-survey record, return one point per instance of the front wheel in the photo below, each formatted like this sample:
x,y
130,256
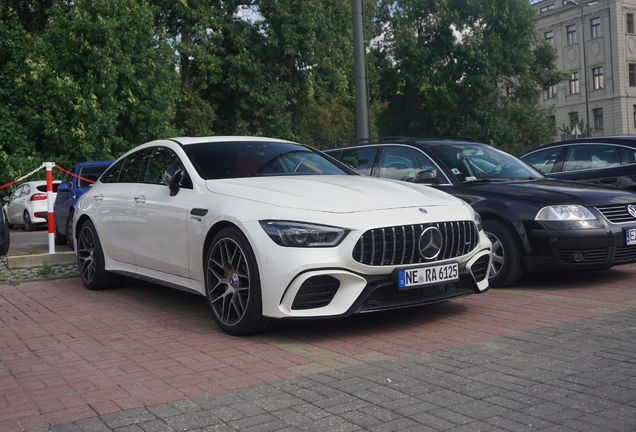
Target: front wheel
x,y
90,261
507,254
232,285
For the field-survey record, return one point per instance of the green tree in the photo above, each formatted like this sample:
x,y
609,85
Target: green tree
x,y
445,67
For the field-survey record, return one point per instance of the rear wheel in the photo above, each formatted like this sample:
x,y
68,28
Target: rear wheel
x,y
90,261
232,285
507,254
28,225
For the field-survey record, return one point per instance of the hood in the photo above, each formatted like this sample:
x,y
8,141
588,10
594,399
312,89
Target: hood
x,y
551,192
334,194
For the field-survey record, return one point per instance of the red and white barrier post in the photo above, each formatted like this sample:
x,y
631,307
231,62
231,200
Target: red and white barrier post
x,y
49,202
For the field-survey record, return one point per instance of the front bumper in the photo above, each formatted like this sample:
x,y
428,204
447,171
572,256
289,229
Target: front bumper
x,y
598,247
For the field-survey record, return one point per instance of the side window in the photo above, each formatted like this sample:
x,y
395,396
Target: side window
x,y
17,193
628,155
361,159
112,173
162,157
581,157
403,163
543,160
26,189
133,165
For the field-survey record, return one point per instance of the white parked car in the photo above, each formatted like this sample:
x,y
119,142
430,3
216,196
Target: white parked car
x,y
27,205
267,229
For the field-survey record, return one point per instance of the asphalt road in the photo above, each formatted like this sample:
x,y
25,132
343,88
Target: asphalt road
x,y
32,242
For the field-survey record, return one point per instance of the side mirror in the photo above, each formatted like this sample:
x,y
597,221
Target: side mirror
x,y
63,187
427,177
6,198
172,176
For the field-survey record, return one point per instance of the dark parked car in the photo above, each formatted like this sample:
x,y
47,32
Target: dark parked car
x,y
535,223
5,237
608,161
74,185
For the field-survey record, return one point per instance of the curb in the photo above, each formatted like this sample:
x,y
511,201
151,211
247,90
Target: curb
x,y
39,259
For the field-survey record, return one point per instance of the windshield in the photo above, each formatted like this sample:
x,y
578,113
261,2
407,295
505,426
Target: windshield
x,y
470,162
234,159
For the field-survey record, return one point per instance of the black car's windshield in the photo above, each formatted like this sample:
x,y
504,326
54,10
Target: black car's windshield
x,y
218,160
472,162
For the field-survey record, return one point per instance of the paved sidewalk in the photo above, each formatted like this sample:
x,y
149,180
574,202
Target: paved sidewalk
x,y
555,353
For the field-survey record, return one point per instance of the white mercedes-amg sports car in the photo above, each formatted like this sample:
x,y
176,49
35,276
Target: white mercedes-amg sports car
x,y
268,229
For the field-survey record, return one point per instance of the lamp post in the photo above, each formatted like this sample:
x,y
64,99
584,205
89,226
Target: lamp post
x,y
587,102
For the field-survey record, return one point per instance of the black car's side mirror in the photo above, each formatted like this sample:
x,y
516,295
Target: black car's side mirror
x,y
172,176
427,177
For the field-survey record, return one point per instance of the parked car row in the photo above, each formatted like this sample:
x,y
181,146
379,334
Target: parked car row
x,y
268,229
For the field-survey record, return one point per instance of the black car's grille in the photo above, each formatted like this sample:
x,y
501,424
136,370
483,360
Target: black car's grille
x,y
590,256
399,245
616,213
625,254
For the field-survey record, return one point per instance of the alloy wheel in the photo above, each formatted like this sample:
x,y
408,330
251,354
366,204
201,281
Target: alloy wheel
x,y
86,254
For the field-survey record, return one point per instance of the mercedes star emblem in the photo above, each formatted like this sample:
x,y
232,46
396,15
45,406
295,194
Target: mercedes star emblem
x,y
430,243
631,208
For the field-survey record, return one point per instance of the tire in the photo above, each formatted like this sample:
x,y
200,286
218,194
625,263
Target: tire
x,y
232,285
90,261
28,225
4,247
10,226
70,240
507,254
58,238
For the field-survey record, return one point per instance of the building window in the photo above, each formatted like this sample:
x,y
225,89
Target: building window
x,y
552,91
598,118
574,83
632,75
597,73
574,118
630,23
546,8
595,26
549,37
571,30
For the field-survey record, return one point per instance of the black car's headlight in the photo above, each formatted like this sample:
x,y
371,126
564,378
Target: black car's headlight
x,y
564,213
299,234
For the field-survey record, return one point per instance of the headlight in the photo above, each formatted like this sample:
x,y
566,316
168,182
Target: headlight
x,y
298,234
564,213
480,226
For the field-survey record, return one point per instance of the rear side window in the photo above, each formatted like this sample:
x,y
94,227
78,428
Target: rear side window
x,y
126,170
628,155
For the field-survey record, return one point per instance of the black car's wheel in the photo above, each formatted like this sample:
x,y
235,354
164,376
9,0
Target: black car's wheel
x,y
6,220
232,285
507,254
4,246
28,225
70,240
90,260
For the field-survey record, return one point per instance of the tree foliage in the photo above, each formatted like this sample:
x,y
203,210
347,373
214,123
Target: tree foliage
x,y
90,79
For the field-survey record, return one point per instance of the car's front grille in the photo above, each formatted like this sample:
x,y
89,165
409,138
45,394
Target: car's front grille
x,y
399,245
616,213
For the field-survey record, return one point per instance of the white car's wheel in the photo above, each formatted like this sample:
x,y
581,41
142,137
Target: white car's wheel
x,y
232,285
90,261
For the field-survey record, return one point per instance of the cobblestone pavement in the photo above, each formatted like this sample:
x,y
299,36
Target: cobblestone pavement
x,y
555,353
46,271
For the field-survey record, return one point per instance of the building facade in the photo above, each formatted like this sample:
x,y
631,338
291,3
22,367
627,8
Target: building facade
x,y
596,44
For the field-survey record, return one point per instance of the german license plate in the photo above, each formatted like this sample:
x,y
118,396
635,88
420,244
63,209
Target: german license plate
x,y
630,236
428,275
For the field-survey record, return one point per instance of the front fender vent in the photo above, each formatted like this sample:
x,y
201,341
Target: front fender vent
x,y
399,245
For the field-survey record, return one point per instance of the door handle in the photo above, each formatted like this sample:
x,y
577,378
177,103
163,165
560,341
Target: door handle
x,y
609,180
140,199
99,197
